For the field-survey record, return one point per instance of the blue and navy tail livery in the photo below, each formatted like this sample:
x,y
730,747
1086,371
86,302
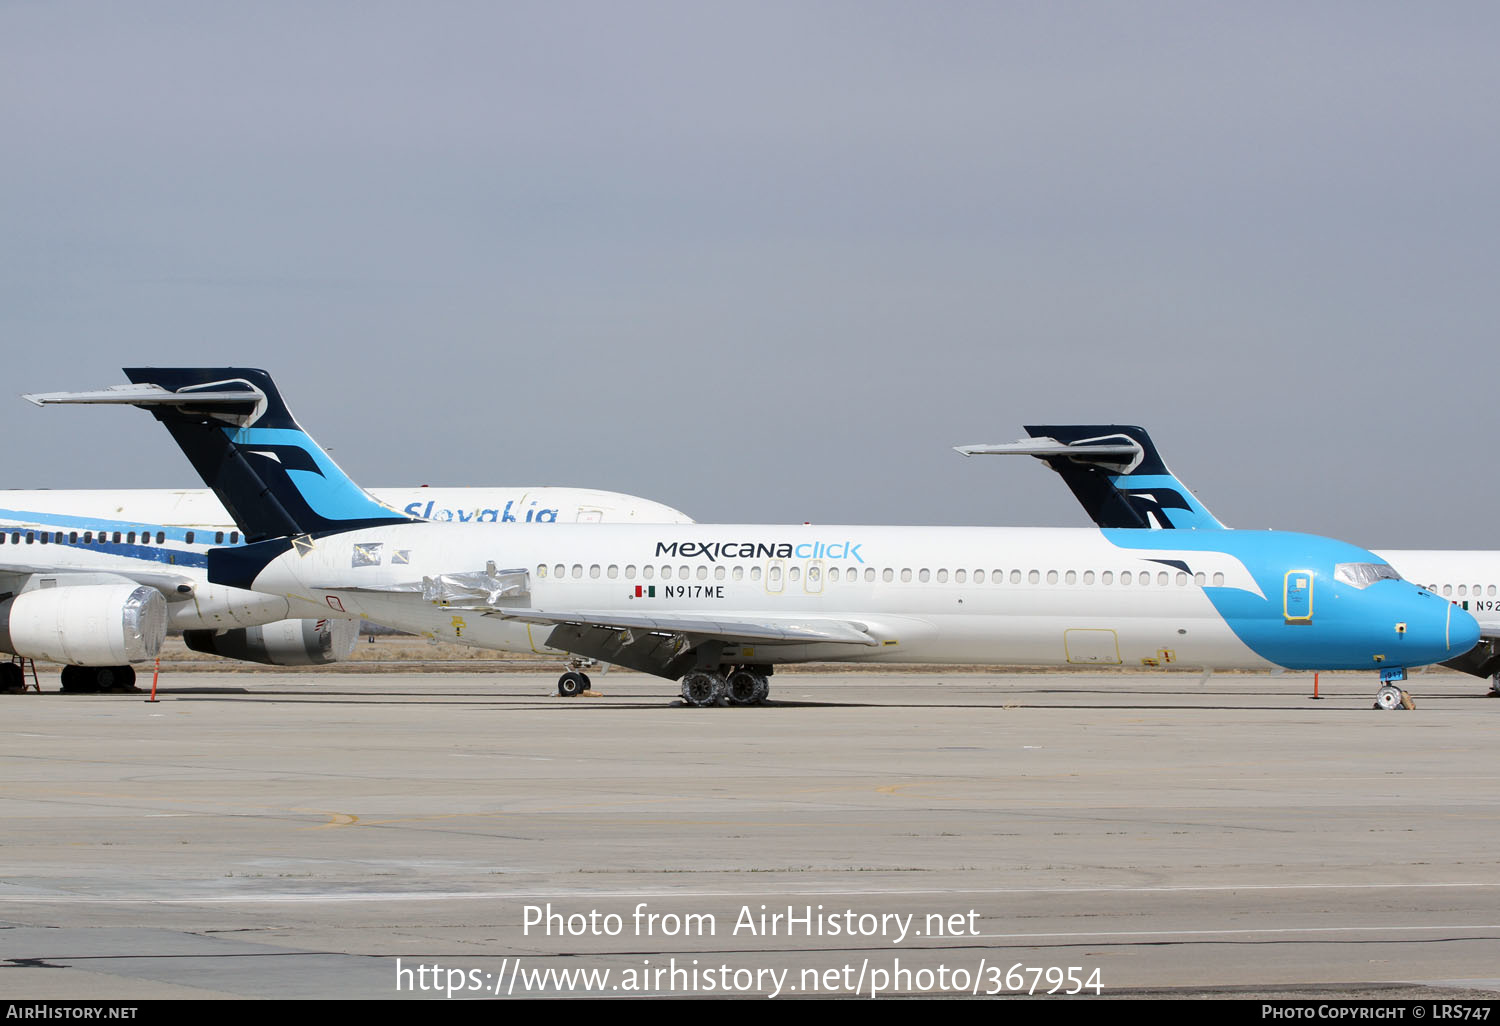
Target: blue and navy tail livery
x,y
238,434
719,606
1114,471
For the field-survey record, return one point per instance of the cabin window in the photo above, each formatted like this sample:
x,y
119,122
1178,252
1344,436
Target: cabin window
x,y
906,575
594,572
1015,577
942,577
1447,589
684,573
117,537
188,537
887,575
613,571
924,575
1071,577
1200,578
794,574
755,573
739,573
1051,576
1107,577
648,572
703,573
870,574
774,575
577,571
719,573
30,537
1463,590
218,537
1125,577
833,573
814,573
234,537
1034,577
541,571
1218,580
1088,577
1182,580
559,571
959,575
630,571
978,576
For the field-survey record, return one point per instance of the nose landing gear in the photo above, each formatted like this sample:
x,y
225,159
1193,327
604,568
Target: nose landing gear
x,y
1391,695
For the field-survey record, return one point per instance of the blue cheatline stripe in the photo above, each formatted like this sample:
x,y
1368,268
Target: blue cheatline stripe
x,y
48,524
38,521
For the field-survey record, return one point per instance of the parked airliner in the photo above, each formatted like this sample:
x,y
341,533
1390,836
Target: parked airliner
x,y
1119,478
84,574
718,607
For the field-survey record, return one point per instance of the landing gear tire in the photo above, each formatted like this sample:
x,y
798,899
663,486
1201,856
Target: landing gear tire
x,y
572,684
1391,697
12,677
115,678
746,687
79,680
703,688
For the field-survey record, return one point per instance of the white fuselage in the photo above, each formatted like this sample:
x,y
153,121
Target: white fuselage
x,y
938,595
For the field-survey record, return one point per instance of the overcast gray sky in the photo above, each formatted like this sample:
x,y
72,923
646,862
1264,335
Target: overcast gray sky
x,y
767,261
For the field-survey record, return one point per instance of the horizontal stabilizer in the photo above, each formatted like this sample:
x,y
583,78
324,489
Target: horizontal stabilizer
x,y
1114,471
231,401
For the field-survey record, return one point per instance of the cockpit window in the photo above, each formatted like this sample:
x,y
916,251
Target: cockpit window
x,y
1362,575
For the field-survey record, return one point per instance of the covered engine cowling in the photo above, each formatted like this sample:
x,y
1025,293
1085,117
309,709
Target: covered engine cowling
x,y
283,643
85,625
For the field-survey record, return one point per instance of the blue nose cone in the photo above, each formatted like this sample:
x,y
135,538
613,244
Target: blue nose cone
x,y
1463,632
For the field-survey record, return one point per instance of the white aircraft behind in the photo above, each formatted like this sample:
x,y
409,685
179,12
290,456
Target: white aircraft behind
x,y
1121,481
83,574
717,607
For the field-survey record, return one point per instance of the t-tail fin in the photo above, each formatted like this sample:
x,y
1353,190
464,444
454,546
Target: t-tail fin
x,y
233,426
1114,471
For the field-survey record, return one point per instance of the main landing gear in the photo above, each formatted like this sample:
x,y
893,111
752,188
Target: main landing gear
x,y
744,685
1391,695
574,681
12,677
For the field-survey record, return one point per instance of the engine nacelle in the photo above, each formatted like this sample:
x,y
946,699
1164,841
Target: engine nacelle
x,y
85,625
283,643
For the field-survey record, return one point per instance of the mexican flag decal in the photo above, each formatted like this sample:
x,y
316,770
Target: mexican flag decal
x,y
649,591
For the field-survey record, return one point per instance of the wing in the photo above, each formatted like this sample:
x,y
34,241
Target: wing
x,y
668,645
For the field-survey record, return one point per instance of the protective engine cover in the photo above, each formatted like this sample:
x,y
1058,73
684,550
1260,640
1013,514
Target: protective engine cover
x,y
85,625
283,643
